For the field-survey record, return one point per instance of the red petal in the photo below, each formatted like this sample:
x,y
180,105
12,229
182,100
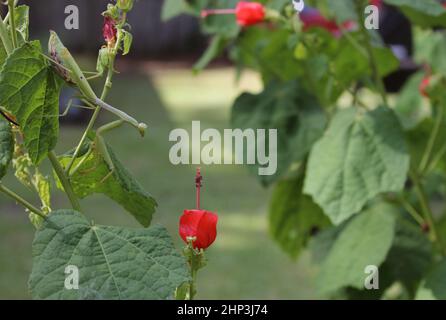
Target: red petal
x,y
201,224
249,13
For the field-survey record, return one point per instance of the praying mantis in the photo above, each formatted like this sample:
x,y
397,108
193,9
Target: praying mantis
x,y
70,71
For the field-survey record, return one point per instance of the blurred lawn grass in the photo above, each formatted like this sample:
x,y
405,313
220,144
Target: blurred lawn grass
x,y
243,263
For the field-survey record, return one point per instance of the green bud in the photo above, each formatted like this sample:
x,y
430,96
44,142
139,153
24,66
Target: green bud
x,y
125,5
112,12
103,60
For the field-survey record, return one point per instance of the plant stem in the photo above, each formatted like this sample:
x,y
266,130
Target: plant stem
x,y
64,181
22,201
424,203
431,142
4,35
436,159
411,210
12,27
7,15
368,46
194,269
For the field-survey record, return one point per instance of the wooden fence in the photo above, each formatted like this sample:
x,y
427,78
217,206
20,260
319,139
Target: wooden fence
x,y
152,37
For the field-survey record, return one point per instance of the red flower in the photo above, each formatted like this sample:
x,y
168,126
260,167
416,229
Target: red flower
x,y
109,30
424,85
246,13
377,3
249,13
312,18
200,224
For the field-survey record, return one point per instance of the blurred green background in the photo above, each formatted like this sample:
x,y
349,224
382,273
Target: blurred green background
x,y
244,263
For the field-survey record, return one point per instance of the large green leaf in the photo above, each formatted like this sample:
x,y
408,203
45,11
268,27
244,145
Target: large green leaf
x,y
434,287
173,8
270,51
215,48
431,49
30,91
409,105
294,217
429,7
291,110
113,262
361,155
6,146
366,240
343,10
410,256
95,176
426,13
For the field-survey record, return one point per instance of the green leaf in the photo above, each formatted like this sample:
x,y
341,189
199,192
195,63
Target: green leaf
x,y
290,109
426,13
343,10
6,146
95,176
410,255
361,155
113,262
128,39
217,45
429,7
22,23
30,91
3,54
173,8
434,287
103,60
225,25
431,49
366,240
42,186
269,51
321,244
293,217
409,105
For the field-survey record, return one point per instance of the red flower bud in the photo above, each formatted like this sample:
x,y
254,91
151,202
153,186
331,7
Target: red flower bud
x,y
249,13
312,18
109,30
377,3
200,224
424,85
246,13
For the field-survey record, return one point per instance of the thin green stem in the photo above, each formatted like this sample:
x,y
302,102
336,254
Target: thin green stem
x,y
194,270
7,15
64,181
12,27
431,142
424,203
412,211
22,201
436,159
368,46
